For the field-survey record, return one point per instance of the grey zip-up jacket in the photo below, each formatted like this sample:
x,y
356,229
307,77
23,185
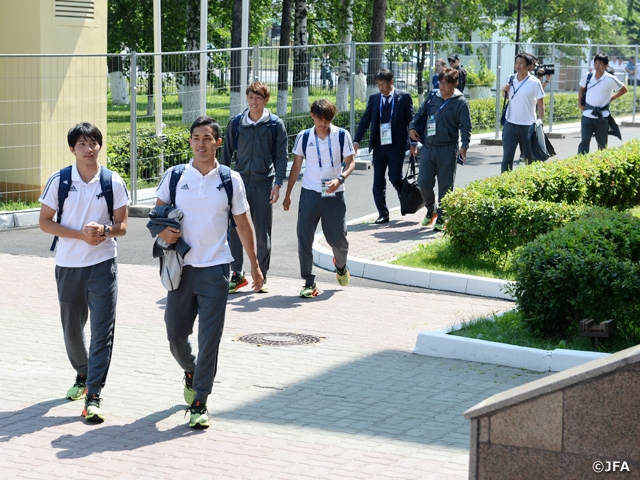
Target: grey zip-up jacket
x,y
453,118
255,163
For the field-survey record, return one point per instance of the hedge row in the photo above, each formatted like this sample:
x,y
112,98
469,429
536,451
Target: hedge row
x,y
587,269
492,217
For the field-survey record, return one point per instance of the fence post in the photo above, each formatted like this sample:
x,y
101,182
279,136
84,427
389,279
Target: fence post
x,y
256,63
133,138
551,102
498,89
635,87
352,90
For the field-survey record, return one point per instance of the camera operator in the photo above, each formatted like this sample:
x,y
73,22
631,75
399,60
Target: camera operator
x,y
542,71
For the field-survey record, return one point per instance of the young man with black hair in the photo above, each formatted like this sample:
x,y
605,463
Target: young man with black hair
x,y
596,93
204,285
259,141
86,268
329,163
388,114
525,95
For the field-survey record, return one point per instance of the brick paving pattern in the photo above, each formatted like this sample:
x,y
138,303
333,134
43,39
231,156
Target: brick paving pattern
x,y
356,405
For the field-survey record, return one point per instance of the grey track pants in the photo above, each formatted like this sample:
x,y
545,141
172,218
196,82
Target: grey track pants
x,y
331,211
82,290
202,292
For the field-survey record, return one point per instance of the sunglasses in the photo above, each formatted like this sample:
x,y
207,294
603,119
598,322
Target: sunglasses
x,y
451,60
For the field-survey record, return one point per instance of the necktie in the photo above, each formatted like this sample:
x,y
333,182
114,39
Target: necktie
x,y
387,99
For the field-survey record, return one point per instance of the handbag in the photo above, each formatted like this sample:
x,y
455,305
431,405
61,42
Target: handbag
x,y
410,196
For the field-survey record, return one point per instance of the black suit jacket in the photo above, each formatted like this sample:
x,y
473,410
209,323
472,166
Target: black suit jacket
x,y
402,116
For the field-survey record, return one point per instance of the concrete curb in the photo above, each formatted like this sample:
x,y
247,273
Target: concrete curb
x,y
442,345
21,218
414,277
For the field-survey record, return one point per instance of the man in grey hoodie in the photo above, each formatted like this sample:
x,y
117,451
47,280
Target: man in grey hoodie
x,y
256,142
441,120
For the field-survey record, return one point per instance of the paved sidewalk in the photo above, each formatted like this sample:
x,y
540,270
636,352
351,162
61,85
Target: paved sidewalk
x,y
356,405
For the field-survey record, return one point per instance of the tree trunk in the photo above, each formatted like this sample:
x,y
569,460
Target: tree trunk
x,y
283,59
342,95
117,81
300,103
191,94
236,42
377,37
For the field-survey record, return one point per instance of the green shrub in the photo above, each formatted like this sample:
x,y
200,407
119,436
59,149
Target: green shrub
x,y
587,269
176,151
494,216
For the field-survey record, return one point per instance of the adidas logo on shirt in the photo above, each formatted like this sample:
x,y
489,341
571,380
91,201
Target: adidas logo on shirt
x,y
73,188
184,187
311,144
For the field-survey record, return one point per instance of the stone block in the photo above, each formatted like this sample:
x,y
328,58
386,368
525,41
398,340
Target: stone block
x,y
536,423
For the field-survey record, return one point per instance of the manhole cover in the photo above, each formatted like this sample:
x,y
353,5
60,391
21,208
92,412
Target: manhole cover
x,y
279,338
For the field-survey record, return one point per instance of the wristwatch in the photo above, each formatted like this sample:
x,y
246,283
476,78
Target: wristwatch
x,y
341,179
107,230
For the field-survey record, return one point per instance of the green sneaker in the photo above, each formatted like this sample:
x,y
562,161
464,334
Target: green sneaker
x,y
79,389
237,281
309,291
92,411
199,417
265,287
343,276
189,393
430,219
439,225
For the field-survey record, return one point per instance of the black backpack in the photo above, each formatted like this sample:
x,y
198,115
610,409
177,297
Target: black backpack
x,y
225,175
65,185
305,138
273,124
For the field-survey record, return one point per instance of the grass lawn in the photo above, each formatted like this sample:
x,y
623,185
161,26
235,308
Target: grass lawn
x,y
13,205
439,255
510,328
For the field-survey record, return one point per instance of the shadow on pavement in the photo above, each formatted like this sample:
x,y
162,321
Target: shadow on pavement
x,y
21,422
141,433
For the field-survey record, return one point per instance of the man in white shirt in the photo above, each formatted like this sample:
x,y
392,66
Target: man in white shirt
x,y
86,268
329,163
594,97
204,286
525,93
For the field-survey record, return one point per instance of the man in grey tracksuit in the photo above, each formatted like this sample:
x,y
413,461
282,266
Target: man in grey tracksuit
x,y
263,167
438,125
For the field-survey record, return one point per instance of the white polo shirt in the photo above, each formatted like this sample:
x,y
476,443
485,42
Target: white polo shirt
x,y
599,91
316,169
523,104
83,206
204,202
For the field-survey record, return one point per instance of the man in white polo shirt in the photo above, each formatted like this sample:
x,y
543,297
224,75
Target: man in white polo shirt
x,y
594,97
525,93
204,285
329,163
86,269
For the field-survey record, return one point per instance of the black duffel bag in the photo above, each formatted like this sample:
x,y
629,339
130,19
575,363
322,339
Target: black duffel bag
x,y
410,197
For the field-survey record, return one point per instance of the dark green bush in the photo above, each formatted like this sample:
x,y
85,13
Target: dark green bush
x,y
493,217
587,269
176,146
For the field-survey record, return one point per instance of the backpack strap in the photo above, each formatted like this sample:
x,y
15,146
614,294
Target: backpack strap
x,y
235,128
583,100
341,134
106,184
63,193
273,124
225,176
305,139
176,173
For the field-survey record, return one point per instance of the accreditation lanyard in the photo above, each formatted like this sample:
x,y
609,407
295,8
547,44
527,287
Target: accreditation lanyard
x,y
385,128
431,119
516,89
318,148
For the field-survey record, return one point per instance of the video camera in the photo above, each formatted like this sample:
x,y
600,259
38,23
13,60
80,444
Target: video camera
x,y
542,70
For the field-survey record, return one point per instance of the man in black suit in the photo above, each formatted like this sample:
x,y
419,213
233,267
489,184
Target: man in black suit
x,y
389,113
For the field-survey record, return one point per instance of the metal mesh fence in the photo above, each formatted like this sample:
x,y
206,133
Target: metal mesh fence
x,y
146,119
